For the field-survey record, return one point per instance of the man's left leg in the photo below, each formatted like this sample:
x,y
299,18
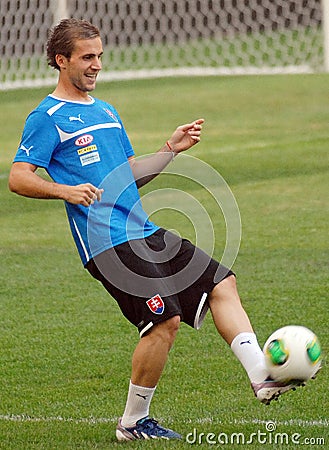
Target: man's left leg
x,y
233,324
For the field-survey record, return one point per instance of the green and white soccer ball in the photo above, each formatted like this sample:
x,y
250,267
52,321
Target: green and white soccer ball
x,y
293,353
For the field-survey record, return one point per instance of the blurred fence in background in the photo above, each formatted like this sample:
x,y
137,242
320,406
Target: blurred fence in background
x,y
145,38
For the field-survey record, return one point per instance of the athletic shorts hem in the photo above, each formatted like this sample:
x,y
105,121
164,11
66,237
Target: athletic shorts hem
x,y
151,324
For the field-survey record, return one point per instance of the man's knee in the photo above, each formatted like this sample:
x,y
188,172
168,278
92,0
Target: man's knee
x,y
166,331
228,283
224,290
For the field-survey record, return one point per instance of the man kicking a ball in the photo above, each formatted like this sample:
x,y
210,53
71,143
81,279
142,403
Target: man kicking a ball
x,y
81,141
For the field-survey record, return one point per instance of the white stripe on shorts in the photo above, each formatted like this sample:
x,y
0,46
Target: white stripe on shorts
x,y
201,312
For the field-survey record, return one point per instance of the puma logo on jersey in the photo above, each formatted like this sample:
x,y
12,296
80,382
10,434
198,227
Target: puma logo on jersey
x,y
26,150
77,119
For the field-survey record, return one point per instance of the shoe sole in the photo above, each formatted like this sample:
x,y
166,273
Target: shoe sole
x,y
269,396
291,387
123,435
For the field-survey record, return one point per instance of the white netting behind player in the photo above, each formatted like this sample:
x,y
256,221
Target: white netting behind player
x,y
143,38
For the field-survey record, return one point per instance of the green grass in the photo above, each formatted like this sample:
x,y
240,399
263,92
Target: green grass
x,y
65,348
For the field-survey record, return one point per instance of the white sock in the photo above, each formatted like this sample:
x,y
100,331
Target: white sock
x,y
138,404
246,348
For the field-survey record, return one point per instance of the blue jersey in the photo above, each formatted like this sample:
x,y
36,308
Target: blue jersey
x,y
80,143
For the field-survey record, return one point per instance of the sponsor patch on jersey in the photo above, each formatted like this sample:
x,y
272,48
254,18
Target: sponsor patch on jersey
x,y
156,304
88,149
89,158
84,140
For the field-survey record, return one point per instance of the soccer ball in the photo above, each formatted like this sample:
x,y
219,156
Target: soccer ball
x,y
293,353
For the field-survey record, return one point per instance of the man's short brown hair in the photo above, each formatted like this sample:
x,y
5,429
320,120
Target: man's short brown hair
x,y
62,38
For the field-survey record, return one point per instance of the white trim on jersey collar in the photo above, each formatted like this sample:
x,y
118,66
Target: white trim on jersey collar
x,y
92,100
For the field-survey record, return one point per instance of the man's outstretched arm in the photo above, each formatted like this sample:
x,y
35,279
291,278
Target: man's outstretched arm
x,y
183,138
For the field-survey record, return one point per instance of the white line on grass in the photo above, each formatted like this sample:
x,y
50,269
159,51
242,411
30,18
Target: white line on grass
x,y
322,423
290,422
26,418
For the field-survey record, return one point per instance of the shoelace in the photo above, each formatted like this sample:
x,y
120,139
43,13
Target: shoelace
x,y
151,424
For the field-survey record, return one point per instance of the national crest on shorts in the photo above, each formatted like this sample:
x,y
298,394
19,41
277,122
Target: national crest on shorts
x,y
156,304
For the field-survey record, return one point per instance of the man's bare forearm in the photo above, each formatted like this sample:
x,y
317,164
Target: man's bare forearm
x,y
24,181
146,168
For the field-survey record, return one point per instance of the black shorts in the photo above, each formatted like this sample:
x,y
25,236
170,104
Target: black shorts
x,y
158,277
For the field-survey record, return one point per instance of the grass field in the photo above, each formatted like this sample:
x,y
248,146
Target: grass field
x,y
65,348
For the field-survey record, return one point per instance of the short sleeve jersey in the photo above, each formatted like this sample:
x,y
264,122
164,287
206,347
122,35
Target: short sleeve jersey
x,y
85,143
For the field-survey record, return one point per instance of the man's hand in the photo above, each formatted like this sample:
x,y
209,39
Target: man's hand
x,y
185,136
82,194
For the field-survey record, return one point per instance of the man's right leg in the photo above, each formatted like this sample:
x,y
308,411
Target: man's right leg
x,y
148,362
152,351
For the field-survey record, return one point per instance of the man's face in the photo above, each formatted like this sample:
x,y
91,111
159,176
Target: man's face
x,y
82,68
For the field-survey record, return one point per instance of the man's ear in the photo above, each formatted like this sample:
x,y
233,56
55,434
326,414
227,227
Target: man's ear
x,y
61,61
